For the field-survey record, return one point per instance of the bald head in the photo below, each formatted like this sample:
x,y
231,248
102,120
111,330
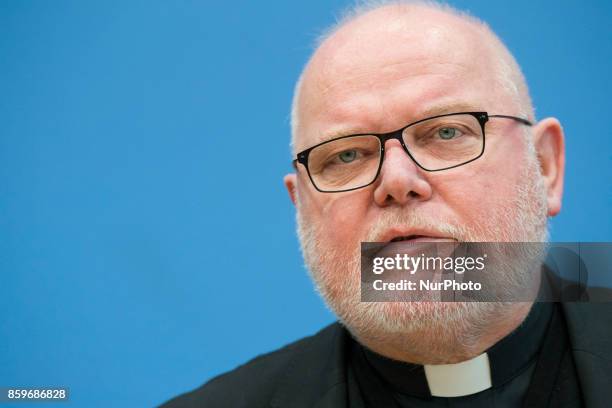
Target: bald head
x,y
400,43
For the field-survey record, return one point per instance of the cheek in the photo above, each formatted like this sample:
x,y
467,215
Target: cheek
x,y
478,190
340,216
475,200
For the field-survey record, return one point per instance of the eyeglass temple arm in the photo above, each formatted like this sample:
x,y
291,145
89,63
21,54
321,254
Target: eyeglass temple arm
x,y
522,120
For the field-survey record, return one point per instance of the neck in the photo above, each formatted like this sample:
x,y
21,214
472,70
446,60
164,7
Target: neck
x,y
449,344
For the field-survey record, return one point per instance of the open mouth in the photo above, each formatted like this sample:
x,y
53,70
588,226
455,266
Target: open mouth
x,y
409,238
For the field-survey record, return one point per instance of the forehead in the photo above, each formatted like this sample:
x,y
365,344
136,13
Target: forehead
x,y
386,68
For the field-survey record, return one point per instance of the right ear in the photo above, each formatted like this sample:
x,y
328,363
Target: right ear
x,y
290,181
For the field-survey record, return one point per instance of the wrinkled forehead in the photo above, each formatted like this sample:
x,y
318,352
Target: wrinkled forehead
x,y
386,68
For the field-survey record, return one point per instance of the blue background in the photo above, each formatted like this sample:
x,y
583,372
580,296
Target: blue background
x,y
142,251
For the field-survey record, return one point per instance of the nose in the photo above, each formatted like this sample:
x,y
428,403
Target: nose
x,y
400,180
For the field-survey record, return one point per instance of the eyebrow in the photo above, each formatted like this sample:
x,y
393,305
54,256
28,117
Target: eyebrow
x,y
448,108
433,110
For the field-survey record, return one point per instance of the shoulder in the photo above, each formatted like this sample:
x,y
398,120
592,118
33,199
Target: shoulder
x,y
590,320
253,383
590,333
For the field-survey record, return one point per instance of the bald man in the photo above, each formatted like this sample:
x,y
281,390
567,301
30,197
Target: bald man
x,y
389,121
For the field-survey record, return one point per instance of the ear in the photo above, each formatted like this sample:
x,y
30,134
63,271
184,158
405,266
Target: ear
x,y
550,149
290,181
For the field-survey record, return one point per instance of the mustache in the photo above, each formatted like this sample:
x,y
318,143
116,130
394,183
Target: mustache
x,y
413,219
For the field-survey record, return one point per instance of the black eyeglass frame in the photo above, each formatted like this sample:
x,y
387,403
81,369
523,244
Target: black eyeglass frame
x,y
482,117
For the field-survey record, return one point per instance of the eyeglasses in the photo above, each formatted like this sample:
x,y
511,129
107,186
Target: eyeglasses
x,y
436,143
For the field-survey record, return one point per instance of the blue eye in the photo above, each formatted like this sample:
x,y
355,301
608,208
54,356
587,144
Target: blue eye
x,y
447,133
348,156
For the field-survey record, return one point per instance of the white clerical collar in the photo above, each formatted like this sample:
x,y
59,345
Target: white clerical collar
x,y
457,380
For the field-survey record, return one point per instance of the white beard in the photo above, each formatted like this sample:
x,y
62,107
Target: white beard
x,y
444,329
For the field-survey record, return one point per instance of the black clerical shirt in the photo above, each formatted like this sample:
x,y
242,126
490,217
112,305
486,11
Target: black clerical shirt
x,y
531,367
